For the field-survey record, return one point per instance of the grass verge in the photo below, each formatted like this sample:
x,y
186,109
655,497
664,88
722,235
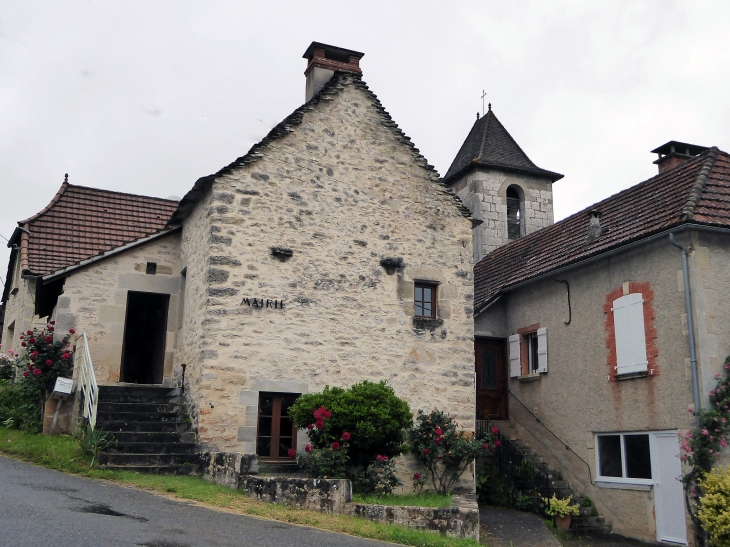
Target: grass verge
x,y
425,499
63,454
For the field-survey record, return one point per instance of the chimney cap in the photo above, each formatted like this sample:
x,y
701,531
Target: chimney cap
x,y
680,148
332,52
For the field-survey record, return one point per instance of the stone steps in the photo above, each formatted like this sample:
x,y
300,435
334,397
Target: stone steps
x,y
152,430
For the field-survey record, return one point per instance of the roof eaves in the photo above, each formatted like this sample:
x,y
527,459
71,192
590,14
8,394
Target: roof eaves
x,y
695,193
48,207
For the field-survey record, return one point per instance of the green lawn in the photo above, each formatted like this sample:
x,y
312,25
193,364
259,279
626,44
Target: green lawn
x,y
62,453
426,499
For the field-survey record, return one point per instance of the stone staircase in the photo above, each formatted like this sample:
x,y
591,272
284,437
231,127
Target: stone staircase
x,y
152,430
589,521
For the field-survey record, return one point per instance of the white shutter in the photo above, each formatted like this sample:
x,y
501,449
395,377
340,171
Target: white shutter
x,y
628,324
542,350
515,367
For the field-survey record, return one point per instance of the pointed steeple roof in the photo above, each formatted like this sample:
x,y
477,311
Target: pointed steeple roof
x,y
489,144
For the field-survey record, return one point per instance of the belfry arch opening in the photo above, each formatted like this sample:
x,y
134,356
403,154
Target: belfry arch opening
x,y
515,212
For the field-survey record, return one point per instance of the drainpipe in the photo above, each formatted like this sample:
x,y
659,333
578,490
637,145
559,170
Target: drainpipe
x,y
690,324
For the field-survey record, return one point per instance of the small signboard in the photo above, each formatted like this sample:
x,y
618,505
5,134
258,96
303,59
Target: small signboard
x,y
62,389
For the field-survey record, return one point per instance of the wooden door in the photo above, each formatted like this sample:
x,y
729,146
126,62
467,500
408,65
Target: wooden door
x,y
491,369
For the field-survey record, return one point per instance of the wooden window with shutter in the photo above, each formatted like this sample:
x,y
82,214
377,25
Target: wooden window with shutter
x,y
515,364
628,322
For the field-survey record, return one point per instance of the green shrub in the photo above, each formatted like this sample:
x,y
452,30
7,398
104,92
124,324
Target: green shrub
x,y
46,357
378,478
371,412
445,451
7,369
327,459
19,406
714,511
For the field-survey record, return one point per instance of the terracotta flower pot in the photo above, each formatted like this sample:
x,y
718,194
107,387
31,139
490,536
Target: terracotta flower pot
x,y
563,522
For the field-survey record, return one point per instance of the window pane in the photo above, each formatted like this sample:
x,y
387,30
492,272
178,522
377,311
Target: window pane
x,y
265,427
419,308
285,427
638,459
284,446
263,446
427,295
489,369
266,405
609,456
427,310
419,293
286,402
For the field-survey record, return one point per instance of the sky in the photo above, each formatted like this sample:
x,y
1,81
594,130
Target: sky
x,y
147,96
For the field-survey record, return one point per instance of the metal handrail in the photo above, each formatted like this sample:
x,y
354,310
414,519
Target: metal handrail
x,y
85,379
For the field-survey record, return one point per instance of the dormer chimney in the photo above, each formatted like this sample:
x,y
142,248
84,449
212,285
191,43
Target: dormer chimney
x,y
675,153
594,226
323,61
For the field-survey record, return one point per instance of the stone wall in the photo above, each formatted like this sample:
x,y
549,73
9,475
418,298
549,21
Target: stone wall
x,y
484,192
19,314
94,301
342,192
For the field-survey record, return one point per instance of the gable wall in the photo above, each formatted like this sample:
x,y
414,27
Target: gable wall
x,y
94,301
575,398
342,193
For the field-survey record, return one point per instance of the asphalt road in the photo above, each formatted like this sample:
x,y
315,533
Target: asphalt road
x,y
40,507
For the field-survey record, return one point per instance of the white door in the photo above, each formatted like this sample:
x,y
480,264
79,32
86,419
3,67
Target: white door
x,y
668,493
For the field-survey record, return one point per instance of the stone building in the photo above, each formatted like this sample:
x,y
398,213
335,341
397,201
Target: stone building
x,y
502,187
581,336
329,254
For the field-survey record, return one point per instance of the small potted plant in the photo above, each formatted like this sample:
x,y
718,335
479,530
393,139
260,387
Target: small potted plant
x,y
561,510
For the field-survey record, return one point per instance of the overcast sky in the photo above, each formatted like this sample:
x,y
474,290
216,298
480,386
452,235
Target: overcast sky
x,y
148,96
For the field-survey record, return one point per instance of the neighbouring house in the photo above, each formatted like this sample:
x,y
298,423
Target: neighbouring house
x,y
581,336
329,254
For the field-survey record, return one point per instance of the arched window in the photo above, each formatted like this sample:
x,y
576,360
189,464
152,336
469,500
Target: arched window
x,y
514,213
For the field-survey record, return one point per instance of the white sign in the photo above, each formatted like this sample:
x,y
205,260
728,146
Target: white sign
x,y
63,387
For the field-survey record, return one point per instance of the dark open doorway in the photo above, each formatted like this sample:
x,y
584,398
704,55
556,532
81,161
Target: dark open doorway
x,y
491,372
145,329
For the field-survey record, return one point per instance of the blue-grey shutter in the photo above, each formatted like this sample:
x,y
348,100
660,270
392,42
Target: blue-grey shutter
x,y
515,368
542,359
628,324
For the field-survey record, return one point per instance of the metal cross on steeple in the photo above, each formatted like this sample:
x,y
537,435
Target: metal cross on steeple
x,y
484,94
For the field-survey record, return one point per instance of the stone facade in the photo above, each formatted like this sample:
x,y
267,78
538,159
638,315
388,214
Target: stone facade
x,y
342,192
19,312
484,191
94,301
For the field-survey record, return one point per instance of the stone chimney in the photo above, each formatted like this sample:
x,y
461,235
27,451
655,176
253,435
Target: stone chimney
x,y
594,226
323,61
675,153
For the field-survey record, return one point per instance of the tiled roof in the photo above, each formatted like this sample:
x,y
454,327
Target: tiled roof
x,y
288,125
489,144
81,222
697,192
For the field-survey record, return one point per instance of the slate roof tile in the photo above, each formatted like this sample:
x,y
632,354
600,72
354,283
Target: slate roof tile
x,y
697,191
490,144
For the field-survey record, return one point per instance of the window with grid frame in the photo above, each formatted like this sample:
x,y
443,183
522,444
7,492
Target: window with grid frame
x,y
624,457
425,300
276,433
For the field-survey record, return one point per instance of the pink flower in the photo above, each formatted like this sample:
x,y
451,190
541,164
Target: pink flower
x,y
438,431
345,436
48,362
718,376
25,374
417,476
31,340
485,446
320,423
308,448
71,331
441,457
379,458
52,323
495,430
34,354
437,440
23,344
426,451
310,426
48,339
22,337
292,453
497,444
29,332
385,458
36,372
66,356
335,445
50,328
705,432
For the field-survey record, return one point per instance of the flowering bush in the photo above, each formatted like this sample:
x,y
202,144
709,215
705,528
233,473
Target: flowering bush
x,y
444,451
45,358
371,412
7,366
560,507
714,512
378,478
326,457
418,483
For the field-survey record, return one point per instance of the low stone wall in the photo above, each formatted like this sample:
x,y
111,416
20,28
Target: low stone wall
x,y
239,471
461,520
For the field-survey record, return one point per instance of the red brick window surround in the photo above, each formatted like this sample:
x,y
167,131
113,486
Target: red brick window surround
x,y
650,334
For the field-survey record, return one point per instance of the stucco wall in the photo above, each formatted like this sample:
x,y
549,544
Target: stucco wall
x,y
484,192
94,301
575,399
342,192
